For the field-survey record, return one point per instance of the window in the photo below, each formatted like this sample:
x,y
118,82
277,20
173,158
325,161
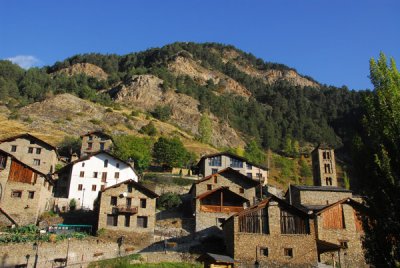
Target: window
x,y
30,150
328,155
264,251
101,145
35,175
241,190
90,138
90,145
127,220
143,203
215,178
116,175
113,201
117,165
104,177
31,194
324,155
293,224
36,162
344,244
236,163
142,222
106,163
13,148
80,187
112,220
95,174
327,168
209,187
215,161
214,170
128,202
3,161
328,181
249,175
249,166
83,164
94,187
288,252
38,150
82,174
129,188
16,194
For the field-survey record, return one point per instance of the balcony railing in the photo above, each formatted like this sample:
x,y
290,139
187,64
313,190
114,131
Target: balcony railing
x,y
126,209
223,209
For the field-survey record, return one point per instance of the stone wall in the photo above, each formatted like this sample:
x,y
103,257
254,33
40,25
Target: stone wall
x,y
353,256
47,156
80,252
96,139
248,247
24,210
136,194
319,167
322,197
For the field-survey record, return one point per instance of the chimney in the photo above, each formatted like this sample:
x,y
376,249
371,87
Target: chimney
x,y
131,162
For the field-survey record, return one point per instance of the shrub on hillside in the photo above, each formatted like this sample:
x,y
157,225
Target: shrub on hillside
x,y
168,201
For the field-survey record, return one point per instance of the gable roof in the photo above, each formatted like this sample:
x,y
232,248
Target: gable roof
x,y
46,176
136,185
351,202
322,146
223,188
100,133
29,137
229,170
231,155
87,157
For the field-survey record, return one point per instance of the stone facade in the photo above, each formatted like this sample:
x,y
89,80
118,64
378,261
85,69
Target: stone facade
x,y
349,235
239,186
127,206
214,163
31,151
273,248
314,195
324,166
25,193
95,141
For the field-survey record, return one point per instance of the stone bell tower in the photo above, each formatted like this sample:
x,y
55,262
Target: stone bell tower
x,y
324,166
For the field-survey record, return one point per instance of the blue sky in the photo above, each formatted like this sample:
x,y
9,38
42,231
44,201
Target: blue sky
x,y
331,41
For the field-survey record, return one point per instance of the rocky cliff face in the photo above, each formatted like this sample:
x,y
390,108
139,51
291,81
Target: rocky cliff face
x,y
186,66
84,68
145,92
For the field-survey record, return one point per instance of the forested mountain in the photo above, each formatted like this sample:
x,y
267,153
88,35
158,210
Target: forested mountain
x,y
265,101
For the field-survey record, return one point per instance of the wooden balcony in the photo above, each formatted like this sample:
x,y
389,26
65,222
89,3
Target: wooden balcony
x,y
126,209
223,209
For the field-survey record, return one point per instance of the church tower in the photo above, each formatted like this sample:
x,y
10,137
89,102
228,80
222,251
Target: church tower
x,y
324,166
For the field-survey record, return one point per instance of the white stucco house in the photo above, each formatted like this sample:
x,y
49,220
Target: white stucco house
x,y
84,178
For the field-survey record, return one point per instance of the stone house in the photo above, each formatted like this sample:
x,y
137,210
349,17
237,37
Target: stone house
x,y
95,141
127,206
84,178
212,163
272,233
31,150
340,225
220,195
315,196
25,192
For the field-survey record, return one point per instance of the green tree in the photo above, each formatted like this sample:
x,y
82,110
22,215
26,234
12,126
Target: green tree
x,y
254,153
149,129
205,128
170,153
69,145
377,162
305,172
162,112
136,148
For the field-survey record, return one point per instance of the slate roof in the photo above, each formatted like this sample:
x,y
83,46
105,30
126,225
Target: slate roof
x,y
216,258
231,155
135,185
